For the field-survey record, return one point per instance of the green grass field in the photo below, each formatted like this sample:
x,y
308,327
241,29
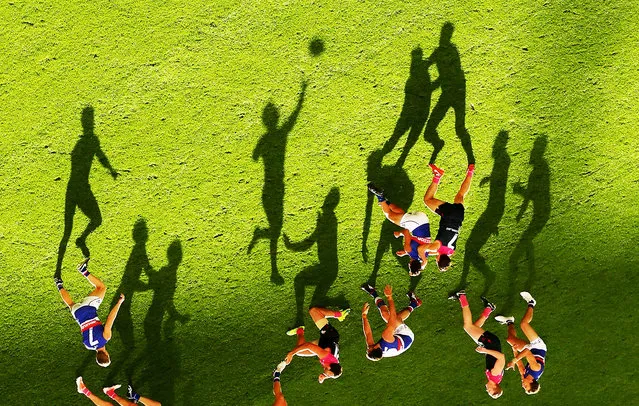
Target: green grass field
x,y
182,93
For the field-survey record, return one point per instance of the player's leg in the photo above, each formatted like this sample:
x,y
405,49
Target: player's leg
x,y
66,297
89,206
84,390
132,395
321,314
465,186
414,303
69,212
379,302
392,212
99,288
488,308
110,392
470,328
530,333
277,386
429,197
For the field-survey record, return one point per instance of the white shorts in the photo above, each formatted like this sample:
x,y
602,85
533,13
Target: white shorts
x,y
404,330
411,221
538,344
93,301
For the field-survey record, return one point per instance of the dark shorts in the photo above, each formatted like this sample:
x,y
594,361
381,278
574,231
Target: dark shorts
x,y
490,342
329,339
451,213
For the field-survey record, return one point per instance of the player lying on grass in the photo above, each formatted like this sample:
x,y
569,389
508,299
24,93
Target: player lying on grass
x,y
533,351
452,216
397,337
95,335
326,348
277,386
416,231
487,343
132,395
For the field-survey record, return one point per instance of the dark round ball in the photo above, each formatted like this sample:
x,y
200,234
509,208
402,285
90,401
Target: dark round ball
x,y
316,47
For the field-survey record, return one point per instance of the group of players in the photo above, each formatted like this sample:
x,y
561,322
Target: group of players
x,y
397,337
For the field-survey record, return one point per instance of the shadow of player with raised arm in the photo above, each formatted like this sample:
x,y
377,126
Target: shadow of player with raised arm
x,y
452,81
323,274
412,118
272,149
537,192
79,193
488,222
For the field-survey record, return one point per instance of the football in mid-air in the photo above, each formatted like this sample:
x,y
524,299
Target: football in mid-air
x,y
316,47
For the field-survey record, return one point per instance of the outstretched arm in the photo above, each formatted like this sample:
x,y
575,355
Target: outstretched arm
x,y
302,245
290,122
108,326
501,359
105,162
368,332
307,346
393,320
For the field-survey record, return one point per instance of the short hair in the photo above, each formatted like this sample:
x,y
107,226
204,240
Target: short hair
x,y
534,387
103,359
443,262
414,267
336,369
375,354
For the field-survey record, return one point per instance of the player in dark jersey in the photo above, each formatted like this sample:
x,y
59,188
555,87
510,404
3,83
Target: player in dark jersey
x,y
416,231
452,216
132,395
487,343
397,337
326,348
534,350
95,335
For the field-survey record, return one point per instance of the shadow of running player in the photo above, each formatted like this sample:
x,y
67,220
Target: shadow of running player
x,y
323,274
79,193
537,192
452,81
488,222
272,149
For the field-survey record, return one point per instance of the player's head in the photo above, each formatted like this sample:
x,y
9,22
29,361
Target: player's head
x,y
102,357
374,354
531,387
443,262
446,33
87,121
494,390
414,267
332,371
270,116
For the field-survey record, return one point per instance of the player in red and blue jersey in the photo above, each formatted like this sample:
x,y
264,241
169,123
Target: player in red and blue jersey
x,y
95,335
415,230
397,337
326,348
533,351
452,216
487,343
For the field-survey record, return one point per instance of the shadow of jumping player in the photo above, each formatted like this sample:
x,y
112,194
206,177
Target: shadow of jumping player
x,y
488,222
79,192
323,274
452,81
537,191
137,263
412,118
393,178
272,149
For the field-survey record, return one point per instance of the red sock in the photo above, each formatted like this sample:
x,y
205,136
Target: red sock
x,y
436,179
463,301
471,170
86,392
337,314
487,312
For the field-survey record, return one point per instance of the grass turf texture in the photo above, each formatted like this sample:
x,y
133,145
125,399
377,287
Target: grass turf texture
x,y
178,90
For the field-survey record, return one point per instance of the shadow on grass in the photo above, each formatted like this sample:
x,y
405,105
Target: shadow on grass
x,y
488,222
79,193
537,192
452,81
323,274
272,149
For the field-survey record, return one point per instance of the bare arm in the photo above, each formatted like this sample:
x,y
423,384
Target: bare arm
x,y
105,162
393,320
422,252
290,122
307,346
530,357
108,326
368,332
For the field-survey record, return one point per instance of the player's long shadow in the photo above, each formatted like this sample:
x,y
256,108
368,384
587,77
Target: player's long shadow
x,y
536,192
452,81
488,222
323,274
272,149
79,193
417,94
161,355
137,263
401,191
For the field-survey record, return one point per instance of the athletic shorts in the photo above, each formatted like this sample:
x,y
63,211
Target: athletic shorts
x,y
537,344
411,221
404,330
93,301
329,339
453,212
491,342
